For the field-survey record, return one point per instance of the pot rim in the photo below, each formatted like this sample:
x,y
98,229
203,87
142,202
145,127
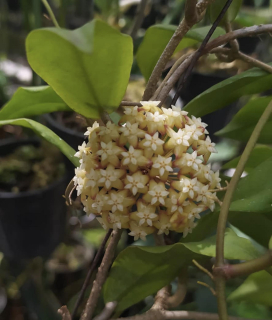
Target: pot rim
x,y
29,193
48,117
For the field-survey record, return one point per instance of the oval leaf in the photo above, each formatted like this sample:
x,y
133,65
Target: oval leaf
x,y
244,122
216,7
89,67
32,101
258,155
246,83
156,39
47,134
140,271
254,192
256,288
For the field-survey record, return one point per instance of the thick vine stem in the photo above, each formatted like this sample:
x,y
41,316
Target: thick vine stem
x,y
241,269
177,298
101,276
94,264
193,14
219,279
64,312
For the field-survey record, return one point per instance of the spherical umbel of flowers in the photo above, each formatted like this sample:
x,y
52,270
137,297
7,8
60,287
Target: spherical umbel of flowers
x,y
149,173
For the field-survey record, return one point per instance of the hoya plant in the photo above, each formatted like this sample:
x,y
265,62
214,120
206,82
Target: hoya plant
x,y
144,166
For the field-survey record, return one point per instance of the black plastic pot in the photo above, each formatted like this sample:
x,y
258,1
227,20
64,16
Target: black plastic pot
x,y
199,83
32,223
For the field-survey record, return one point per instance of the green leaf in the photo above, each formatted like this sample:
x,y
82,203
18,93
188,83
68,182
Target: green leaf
x,y
270,243
140,271
216,7
246,83
156,39
254,192
244,122
256,288
47,134
32,101
89,67
259,154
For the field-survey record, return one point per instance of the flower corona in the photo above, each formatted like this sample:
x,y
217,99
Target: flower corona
x,y
149,173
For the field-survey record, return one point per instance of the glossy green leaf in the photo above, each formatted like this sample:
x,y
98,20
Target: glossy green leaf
x,y
89,67
254,192
47,134
259,154
216,7
32,101
156,39
244,122
256,288
140,271
246,83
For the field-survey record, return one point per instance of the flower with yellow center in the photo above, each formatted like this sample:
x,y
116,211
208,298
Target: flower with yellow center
x,y
137,183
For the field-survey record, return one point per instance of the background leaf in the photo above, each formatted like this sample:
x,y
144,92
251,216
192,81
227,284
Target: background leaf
x,y
244,122
259,154
156,39
89,67
256,288
254,192
140,271
47,134
216,7
32,101
246,83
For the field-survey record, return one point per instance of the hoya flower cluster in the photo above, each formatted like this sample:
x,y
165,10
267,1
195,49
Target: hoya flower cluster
x,y
147,174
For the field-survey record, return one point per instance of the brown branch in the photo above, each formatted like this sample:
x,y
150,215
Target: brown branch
x,y
177,298
64,312
212,46
235,270
253,61
138,19
193,14
198,53
93,266
107,311
101,276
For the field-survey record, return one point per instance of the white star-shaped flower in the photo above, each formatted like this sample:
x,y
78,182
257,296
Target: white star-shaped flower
x,y
135,182
153,141
131,156
163,164
190,186
198,122
131,111
190,160
181,137
155,117
209,145
91,129
131,129
189,228
116,201
194,131
91,178
99,202
106,150
108,176
158,193
137,232
115,220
